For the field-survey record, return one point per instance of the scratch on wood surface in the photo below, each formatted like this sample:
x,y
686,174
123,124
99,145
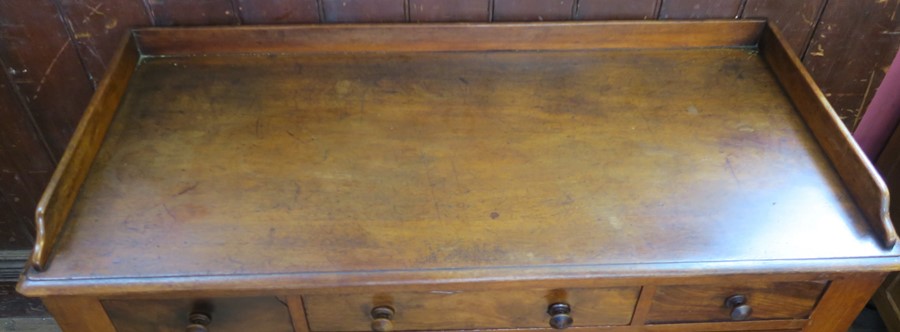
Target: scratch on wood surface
x,y
187,189
862,103
894,14
94,10
431,184
93,51
169,212
731,168
819,51
49,69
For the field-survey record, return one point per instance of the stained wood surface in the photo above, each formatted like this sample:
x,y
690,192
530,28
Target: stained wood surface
x,y
98,26
456,310
195,12
699,9
866,186
842,302
278,11
259,314
48,74
533,10
796,19
79,314
338,159
449,10
706,303
36,31
851,50
25,168
298,313
364,11
55,204
449,37
617,9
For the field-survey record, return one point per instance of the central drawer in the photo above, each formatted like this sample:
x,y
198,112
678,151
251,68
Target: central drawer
x,y
464,310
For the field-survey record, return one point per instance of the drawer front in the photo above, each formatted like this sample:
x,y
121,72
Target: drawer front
x,y
458,310
708,303
258,314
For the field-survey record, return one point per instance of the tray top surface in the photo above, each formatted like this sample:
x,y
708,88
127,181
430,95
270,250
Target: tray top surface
x,y
263,164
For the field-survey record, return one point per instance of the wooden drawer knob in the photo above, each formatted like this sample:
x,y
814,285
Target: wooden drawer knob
x,y
381,319
740,310
198,322
560,316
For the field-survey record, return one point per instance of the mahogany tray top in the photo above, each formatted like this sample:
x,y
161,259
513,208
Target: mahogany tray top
x,y
542,151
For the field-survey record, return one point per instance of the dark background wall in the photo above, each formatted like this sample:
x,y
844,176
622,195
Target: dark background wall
x,y
54,52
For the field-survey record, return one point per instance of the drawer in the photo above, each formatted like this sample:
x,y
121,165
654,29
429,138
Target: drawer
x,y
460,310
257,314
761,301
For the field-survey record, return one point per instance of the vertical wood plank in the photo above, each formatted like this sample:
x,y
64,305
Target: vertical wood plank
x,y
886,301
642,308
278,11
298,313
25,168
617,9
449,10
533,10
842,302
193,12
699,9
98,26
364,11
78,314
852,47
796,18
44,65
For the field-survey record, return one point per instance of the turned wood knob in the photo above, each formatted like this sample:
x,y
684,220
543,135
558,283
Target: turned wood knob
x,y
740,310
197,322
560,316
381,319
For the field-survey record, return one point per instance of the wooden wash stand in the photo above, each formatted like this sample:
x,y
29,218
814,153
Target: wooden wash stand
x,y
616,176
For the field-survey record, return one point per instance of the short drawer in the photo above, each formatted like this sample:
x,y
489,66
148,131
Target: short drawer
x,y
257,314
461,310
758,301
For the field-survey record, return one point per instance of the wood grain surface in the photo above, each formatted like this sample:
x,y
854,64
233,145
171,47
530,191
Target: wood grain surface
x,y
48,75
851,50
278,11
706,303
795,19
25,168
258,314
194,12
843,301
533,10
97,29
54,206
505,172
457,310
449,10
617,9
79,314
450,37
364,11
857,38
866,186
699,9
